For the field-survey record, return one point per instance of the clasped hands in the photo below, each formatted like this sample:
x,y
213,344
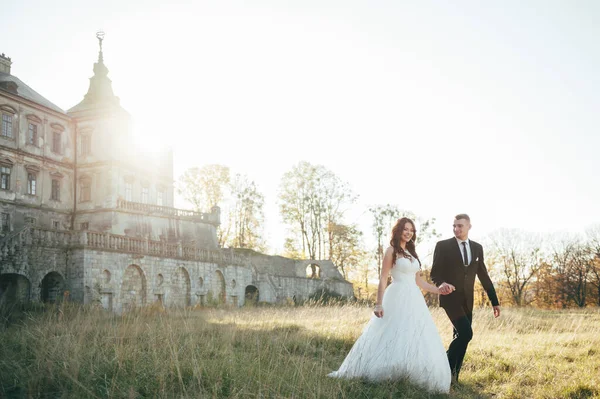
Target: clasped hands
x,y
445,289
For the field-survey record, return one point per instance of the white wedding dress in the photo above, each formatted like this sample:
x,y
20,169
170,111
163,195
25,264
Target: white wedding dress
x,y
404,342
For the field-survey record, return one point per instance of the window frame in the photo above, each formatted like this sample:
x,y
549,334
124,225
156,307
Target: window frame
x,y
5,177
85,189
35,139
10,130
128,191
31,188
86,144
5,222
55,189
160,197
57,144
145,193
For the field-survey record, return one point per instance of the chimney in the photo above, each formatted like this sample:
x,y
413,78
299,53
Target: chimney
x,y
5,63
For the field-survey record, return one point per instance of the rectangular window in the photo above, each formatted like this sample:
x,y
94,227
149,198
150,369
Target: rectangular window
x,y
7,126
56,147
4,178
84,226
160,198
86,190
55,194
31,183
56,225
145,195
128,191
30,221
5,222
32,136
86,145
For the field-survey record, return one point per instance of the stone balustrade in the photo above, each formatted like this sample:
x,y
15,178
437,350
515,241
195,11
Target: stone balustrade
x,y
152,209
113,242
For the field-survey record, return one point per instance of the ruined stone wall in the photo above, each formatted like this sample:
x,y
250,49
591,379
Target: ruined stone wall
x,y
35,263
119,272
281,279
269,264
118,281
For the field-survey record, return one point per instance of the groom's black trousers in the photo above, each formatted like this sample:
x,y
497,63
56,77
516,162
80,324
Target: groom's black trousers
x,y
463,333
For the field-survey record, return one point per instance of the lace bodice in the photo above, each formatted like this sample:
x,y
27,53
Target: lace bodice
x,y
405,267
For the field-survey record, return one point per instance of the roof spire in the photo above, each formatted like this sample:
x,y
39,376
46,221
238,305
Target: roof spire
x,y
100,36
100,92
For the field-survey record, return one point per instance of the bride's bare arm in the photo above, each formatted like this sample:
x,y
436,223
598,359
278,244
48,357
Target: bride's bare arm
x,y
385,272
425,285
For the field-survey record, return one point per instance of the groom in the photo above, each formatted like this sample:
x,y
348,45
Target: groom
x,y
456,261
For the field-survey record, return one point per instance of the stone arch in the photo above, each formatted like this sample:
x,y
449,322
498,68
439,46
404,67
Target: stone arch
x,y
53,286
251,294
181,288
14,289
219,287
133,287
313,271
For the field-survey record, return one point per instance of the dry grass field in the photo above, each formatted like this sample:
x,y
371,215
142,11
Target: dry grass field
x,y
280,352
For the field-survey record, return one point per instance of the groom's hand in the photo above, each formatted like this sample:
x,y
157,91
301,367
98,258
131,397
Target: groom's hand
x,y
446,288
496,311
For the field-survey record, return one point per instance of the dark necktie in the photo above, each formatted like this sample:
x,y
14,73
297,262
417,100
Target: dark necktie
x,y
466,258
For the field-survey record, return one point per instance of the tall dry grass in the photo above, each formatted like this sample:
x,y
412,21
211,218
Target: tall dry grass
x,y
280,352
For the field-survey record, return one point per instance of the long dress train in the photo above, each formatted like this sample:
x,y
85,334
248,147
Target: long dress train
x,y
403,343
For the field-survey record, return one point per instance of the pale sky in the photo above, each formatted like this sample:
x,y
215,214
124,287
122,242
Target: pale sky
x,y
478,107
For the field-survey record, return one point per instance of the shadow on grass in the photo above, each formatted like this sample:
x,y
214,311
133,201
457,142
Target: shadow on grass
x,y
94,354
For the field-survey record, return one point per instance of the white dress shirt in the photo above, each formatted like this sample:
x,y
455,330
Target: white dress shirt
x,y
459,241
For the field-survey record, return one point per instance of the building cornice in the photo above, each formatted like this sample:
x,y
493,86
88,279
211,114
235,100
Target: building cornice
x,y
18,151
120,164
33,104
43,207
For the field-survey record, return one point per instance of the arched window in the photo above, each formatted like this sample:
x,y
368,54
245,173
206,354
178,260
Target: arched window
x,y
313,271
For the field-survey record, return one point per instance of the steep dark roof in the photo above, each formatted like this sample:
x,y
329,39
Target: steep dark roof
x,y
8,83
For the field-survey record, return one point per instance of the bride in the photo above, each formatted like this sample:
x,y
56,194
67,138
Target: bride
x,y
403,342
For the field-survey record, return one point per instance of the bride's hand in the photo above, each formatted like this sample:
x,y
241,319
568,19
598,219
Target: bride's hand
x,y
446,289
378,311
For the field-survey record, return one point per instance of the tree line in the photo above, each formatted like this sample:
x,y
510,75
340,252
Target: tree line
x,y
546,270
527,268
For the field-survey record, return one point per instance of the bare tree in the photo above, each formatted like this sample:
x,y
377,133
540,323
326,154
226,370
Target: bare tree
x,y
384,218
313,198
246,216
204,188
346,248
519,256
573,261
593,242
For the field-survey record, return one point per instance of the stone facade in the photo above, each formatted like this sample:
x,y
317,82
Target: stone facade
x,y
84,211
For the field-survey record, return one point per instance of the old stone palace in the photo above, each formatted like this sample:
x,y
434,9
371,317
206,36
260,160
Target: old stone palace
x,y
83,210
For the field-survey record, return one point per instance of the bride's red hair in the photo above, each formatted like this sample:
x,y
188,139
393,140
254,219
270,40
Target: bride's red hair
x,y
395,241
